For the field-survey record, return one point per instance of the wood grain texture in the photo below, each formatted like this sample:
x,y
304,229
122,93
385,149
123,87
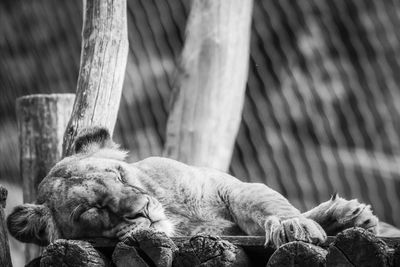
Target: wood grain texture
x,y
73,253
102,68
42,120
5,258
207,100
357,247
298,254
206,250
145,248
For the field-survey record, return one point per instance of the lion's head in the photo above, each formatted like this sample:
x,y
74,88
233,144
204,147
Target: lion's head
x,y
92,193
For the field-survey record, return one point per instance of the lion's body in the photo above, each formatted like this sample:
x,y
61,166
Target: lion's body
x,y
96,193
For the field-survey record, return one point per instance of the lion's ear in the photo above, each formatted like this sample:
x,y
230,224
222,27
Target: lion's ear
x,y
32,223
92,139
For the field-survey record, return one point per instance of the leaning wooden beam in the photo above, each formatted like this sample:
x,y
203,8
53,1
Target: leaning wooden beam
x,y
102,68
41,123
209,93
5,259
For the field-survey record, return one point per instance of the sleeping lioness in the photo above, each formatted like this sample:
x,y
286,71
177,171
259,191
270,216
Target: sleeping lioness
x,y
95,193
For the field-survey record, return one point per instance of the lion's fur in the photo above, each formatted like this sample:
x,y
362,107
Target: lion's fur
x,y
96,193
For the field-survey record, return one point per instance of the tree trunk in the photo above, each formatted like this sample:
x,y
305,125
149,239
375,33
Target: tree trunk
x,y
41,122
102,68
208,97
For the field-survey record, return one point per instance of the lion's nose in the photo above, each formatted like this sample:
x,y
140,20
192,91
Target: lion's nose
x,y
138,209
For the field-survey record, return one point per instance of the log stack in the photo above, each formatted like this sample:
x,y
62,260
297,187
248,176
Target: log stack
x,y
352,247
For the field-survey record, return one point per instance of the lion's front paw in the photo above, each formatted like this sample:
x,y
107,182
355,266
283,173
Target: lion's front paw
x,y
279,231
341,214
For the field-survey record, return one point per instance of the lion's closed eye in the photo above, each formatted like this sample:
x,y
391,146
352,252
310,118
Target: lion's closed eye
x,y
77,212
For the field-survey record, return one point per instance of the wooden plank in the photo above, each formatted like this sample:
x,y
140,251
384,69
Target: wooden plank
x,y
42,119
244,241
5,258
208,96
102,68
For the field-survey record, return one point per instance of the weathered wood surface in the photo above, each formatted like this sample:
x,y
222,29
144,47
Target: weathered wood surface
x,y
205,250
5,259
207,101
73,253
151,249
102,68
42,119
145,248
298,254
358,247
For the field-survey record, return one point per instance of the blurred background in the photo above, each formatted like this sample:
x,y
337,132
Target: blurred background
x,y
322,110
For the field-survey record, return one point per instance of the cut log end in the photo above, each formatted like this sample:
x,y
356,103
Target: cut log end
x,y
298,254
72,253
206,250
357,247
145,248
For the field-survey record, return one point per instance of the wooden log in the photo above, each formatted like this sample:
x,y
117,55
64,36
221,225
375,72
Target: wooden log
x,y
5,258
357,247
208,96
206,250
298,254
102,68
145,248
42,120
72,253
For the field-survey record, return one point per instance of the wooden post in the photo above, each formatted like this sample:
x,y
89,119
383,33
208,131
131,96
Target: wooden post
x,y
5,259
41,122
208,97
102,68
